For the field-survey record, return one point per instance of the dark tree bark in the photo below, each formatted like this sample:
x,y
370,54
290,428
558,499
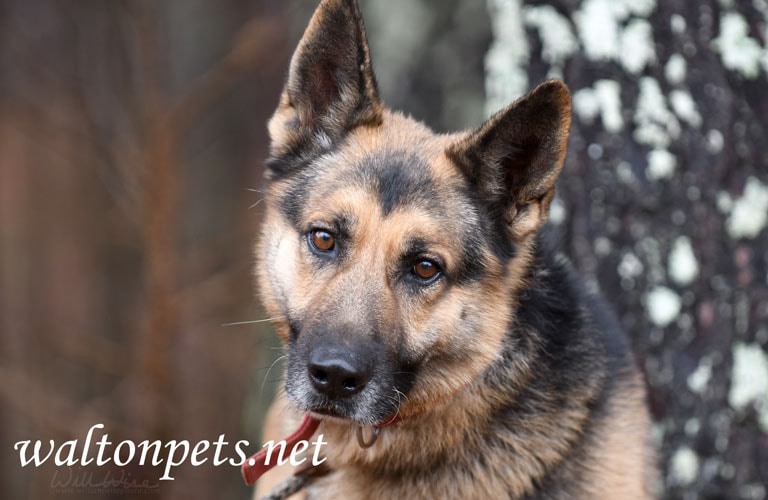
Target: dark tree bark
x,y
663,204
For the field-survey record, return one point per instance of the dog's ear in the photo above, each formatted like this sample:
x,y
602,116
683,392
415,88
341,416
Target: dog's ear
x,y
331,87
514,159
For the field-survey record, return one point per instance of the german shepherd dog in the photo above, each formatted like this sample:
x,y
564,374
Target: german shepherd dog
x,y
412,286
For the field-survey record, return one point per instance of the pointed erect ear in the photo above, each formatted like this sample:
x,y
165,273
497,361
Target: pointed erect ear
x,y
331,87
514,159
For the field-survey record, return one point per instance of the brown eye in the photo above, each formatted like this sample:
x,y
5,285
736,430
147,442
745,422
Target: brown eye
x,y
322,240
425,269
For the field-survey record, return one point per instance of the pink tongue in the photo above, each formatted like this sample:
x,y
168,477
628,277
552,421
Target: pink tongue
x,y
253,472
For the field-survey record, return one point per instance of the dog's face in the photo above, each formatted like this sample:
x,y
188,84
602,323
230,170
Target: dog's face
x,y
391,254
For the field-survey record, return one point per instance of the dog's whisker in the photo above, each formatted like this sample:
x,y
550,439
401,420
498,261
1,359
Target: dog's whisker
x,y
401,394
236,323
264,382
254,205
266,369
398,402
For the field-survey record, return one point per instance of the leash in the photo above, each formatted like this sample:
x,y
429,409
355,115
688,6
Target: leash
x,y
283,490
256,466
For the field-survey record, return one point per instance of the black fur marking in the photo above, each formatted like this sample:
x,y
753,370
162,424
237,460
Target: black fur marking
x,y
343,224
293,331
396,178
413,248
294,200
397,186
492,226
472,265
399,179
300,155
575,342
407,367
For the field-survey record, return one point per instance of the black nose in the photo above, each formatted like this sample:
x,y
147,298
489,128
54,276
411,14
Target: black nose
x,y
338,372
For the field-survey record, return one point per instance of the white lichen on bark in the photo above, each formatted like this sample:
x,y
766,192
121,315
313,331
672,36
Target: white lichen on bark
x,y
699,379
556,35
749,213
738,51
685,107
663,306
661,164
507,59
684,466
604,99
637,47
749,380
655,124
683,266
675,69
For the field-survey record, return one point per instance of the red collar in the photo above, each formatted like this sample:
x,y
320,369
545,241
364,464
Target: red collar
x,y
253,468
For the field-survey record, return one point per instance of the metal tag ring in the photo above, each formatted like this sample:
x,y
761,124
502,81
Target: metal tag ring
x,y
361,438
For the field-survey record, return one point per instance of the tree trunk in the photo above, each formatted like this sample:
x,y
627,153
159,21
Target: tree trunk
x,y
663,204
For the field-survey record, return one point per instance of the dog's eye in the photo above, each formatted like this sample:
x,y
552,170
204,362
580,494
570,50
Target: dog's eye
x,y
322,240
426,270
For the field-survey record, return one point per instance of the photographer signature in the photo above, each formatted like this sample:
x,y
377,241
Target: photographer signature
x,y
85,479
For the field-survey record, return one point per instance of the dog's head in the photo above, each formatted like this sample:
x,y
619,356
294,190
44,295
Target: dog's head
x,y
394,254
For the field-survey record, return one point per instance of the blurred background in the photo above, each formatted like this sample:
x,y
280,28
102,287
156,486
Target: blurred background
x,y
132,136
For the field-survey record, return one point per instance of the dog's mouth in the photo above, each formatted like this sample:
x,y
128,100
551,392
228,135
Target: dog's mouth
x,y
333,415
321,412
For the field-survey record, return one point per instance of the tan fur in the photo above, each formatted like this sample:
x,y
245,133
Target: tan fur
x,y
624,465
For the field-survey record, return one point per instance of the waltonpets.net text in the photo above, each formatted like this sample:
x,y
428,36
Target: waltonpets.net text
x,y
172,454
